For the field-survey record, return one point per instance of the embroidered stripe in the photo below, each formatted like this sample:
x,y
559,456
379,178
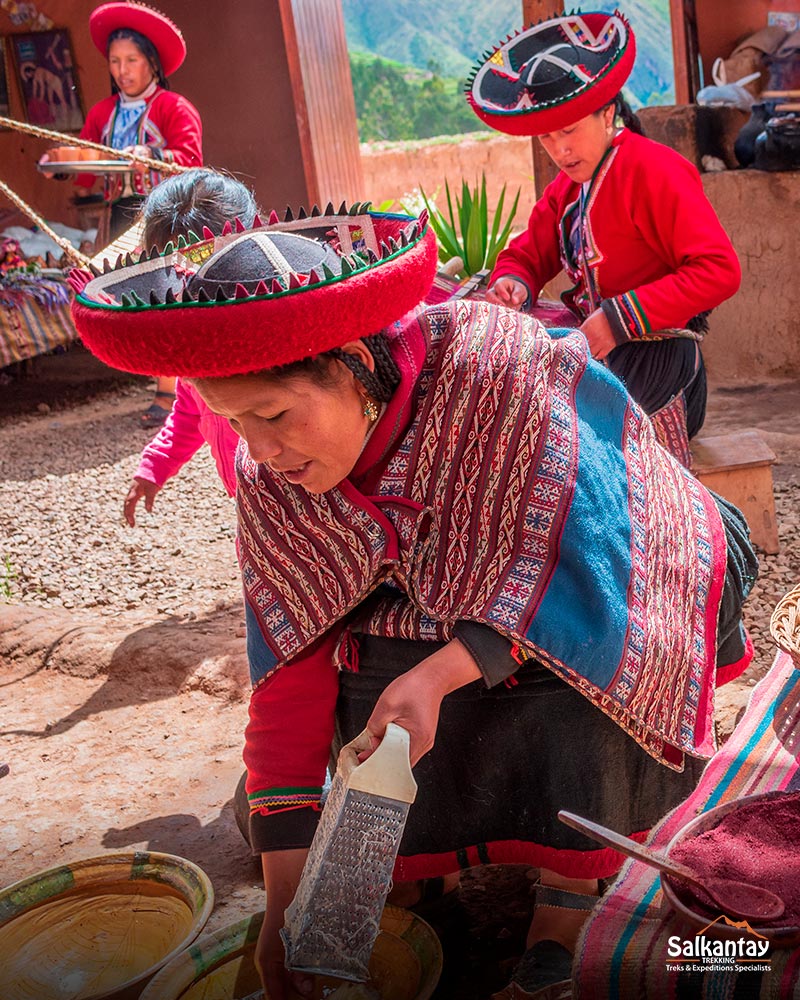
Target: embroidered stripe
x,y
633,317
274,799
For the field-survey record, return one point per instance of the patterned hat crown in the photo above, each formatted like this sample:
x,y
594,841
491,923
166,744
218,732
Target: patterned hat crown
x,y
256,298
553,74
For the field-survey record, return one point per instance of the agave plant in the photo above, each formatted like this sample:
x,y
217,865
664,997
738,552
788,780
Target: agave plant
x,y
465,232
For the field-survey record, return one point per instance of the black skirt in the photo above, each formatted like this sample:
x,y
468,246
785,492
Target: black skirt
x,y
655,371
505,760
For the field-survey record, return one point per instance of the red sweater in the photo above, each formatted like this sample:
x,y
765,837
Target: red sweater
x,y
655,252
170,126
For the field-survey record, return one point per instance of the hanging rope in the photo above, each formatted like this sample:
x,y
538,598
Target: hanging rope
x,y
23,206
162,166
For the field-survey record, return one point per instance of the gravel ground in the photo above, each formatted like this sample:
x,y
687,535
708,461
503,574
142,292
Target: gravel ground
x,y
63,477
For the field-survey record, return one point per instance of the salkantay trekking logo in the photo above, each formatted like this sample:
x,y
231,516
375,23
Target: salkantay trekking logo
x,y
748,953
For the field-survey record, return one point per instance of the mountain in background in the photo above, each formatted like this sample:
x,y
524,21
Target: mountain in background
x,y
449,36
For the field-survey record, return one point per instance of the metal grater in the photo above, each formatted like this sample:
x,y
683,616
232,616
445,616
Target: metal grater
x,y
332,923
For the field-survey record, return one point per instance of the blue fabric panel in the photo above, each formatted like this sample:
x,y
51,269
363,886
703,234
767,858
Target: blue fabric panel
x,y
583,617
261,659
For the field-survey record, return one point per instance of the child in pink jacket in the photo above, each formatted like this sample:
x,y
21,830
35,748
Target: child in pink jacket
x,y
183,203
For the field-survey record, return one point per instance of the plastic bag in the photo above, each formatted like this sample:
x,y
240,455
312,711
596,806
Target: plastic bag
x,y
733,95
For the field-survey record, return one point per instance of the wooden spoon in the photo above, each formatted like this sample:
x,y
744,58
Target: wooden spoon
x,y
734,898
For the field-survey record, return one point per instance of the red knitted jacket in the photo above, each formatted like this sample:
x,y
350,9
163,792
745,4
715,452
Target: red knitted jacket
x,y
656,253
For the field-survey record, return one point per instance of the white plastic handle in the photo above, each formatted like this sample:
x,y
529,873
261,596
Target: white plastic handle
x,y
387,771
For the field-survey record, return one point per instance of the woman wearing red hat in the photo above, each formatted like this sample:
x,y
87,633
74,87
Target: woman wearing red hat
x,y
143,48
450,519
626,218
143,116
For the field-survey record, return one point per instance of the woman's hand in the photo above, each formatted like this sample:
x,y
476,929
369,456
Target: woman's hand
x,y
139,488
54,173
282,870
138,168
45,158
413,699
507,292
598,332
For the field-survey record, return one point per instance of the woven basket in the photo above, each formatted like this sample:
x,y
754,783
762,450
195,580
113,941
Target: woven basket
x,y
785,624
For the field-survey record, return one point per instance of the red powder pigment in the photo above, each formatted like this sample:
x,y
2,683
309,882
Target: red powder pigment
x,y
757,843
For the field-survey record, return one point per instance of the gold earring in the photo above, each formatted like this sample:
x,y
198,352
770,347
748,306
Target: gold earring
x,y
371,411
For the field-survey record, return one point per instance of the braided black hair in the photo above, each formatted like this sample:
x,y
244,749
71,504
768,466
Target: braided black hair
x,y
380,384
626,114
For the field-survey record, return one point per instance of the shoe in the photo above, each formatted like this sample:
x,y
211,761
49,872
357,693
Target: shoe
x,y
155,415
545,970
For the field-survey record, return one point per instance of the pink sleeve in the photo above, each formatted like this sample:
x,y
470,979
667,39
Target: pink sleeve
x,y
175,443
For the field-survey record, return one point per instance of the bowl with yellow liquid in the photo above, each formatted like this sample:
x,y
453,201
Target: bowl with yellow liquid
x,y
406,964
99,928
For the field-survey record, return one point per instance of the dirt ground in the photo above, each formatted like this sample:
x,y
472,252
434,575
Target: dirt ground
x,y
131,738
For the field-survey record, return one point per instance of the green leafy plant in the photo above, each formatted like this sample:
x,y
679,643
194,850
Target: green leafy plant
x,y
465,232
7,577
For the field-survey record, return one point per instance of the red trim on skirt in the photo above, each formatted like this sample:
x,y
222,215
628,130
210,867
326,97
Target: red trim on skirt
x,y
601,863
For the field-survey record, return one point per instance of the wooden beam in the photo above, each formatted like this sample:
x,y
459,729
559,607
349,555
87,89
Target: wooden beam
x,y
685,52
544,170
325,111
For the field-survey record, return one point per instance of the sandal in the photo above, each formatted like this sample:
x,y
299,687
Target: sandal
x,y
155,415
545,970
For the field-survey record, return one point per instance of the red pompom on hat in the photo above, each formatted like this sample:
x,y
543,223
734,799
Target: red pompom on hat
x,y
162,32
257,298
553,74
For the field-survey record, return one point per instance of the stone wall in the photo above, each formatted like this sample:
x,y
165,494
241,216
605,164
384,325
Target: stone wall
x,y
755,334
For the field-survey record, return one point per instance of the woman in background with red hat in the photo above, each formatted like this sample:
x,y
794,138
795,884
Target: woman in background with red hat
x,y
626,218
143,116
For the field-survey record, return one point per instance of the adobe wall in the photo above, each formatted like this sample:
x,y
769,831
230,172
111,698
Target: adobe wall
x,y
395,169
757,332
755,335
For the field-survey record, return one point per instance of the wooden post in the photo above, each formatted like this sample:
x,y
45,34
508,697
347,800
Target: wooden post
x,y
544,170
319,69
685,51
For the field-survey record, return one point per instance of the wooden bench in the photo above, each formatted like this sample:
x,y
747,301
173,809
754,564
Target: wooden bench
x,y
738,466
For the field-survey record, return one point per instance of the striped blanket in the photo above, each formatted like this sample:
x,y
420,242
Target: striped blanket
x,y
28,329
622,954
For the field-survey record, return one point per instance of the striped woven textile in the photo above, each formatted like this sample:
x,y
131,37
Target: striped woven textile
x,y
622,953
29,329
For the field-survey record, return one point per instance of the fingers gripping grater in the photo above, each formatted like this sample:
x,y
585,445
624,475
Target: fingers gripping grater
x,y
332,922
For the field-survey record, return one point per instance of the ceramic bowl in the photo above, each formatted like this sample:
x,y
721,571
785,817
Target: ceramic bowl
x,y
405,965
99,927
684,904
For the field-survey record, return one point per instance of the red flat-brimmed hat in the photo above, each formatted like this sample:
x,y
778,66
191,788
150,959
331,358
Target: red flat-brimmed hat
x,y
553,74
162,32
253,299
